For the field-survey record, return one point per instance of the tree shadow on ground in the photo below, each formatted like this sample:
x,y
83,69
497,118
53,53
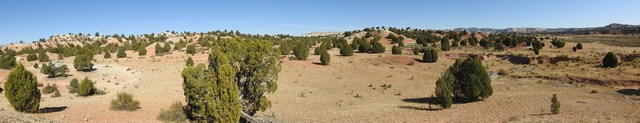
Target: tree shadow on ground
x,y
51,109
419,108
317,63
630,92
428,100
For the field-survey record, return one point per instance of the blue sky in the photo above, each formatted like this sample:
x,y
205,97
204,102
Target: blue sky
x,y
30,20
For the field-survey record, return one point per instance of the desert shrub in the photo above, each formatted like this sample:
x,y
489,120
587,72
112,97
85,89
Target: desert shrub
x,y
396,50
36,66
444,89
472,80
325,58
107,55
83,62
555,104
175,114
430,55
191,49
49,89
125,102
579,46
346,51
610,60
574,49
142,51
557,43
121,53
189,61
86,87
301,51
32,57
52,71
73,85
21,90
167,47
285,49
43,57
445,45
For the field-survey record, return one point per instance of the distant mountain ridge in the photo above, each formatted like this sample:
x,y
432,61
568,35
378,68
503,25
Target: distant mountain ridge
x,y
614,28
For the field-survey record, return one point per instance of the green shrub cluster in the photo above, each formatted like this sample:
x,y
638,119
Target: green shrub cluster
x,y
21,90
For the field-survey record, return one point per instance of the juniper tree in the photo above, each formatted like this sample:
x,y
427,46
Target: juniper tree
x,y
32,57
86,87
43,57
52,71
73,85
430,55
158,49
444,89
255,67
21,90
555,104
107,55
191,49
346,51
83,62
301,51
142,51
121,53
318,50
537,46
189,62
7,61
579,46
325,58
444,44
610,60
396,50
364,47
472,80
377,47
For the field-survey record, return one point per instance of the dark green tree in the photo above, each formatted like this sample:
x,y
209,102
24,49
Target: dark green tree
x,y
83,62
158,49
557,43
43,57
73,85
346,51
107,55
21,90
472,80
430,55
52,71
301,51
445,45
191,49
86,87
189,62
142,51
537,46
325,58
121,53
377,47
364,47
579,46
7,61
444,89
396,50
32,57
610,60
555,104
